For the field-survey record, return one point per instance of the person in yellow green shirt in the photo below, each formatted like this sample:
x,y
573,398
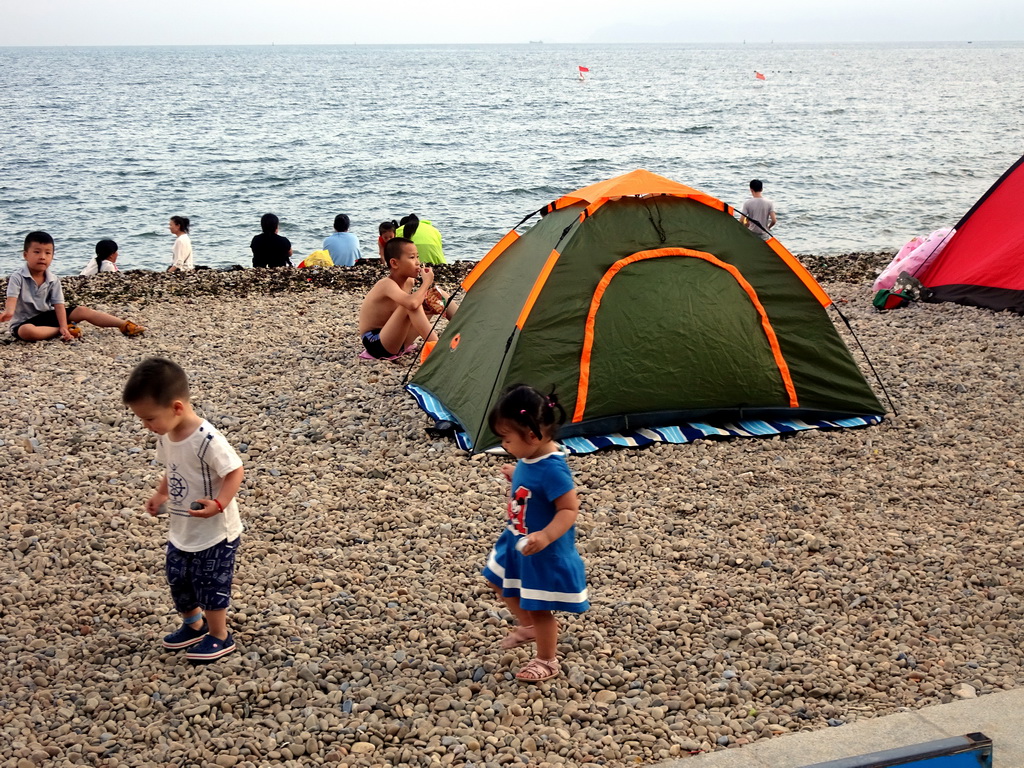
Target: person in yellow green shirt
x,y
426,237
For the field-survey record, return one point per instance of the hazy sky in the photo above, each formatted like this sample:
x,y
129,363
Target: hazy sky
x,y
213,22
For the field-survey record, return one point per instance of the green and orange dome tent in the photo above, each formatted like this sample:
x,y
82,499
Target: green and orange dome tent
x,y
645,304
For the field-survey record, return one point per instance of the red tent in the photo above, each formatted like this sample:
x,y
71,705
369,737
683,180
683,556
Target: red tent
x,y
983,263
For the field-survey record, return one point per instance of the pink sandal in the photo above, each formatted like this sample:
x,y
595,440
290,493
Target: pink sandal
x,y
538,670
519,636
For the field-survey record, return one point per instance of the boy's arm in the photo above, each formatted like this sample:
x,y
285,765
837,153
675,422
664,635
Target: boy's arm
x,y
62,321
412,300
159,496
9,307
568,506
228,491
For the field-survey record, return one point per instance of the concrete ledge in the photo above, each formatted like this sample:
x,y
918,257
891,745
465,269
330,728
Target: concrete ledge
x,y
1000,716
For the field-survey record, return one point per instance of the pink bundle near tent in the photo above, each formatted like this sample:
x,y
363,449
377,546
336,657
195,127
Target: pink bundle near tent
x,y
914,257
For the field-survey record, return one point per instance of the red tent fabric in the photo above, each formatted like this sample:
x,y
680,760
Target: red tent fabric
x,y
983,263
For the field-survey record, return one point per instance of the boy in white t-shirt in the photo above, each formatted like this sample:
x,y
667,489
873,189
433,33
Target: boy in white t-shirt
x,y
203,475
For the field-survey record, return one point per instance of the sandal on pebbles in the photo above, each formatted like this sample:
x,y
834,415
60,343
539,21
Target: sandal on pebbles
x,y
519,636
537,670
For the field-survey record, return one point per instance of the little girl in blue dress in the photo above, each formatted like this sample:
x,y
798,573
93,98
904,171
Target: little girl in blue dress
x,y
534,566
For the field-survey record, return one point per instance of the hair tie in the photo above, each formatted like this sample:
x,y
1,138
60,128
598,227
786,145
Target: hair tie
x,y
522,412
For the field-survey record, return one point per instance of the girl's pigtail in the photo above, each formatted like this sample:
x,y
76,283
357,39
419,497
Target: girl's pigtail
x,y
531,423
558,414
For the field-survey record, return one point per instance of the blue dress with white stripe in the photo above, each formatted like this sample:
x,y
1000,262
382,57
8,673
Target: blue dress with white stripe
x,y
552,579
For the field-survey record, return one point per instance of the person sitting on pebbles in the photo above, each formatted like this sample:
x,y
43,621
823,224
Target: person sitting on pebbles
x,y
105,261
385,231
343,245
393,315
35,300
269,248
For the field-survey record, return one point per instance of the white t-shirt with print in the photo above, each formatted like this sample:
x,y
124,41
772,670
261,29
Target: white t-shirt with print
x,y
196,467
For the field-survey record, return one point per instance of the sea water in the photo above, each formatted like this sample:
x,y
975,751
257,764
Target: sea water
x,y
860,146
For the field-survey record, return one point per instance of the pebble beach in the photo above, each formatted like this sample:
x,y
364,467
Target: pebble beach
x,y
740,589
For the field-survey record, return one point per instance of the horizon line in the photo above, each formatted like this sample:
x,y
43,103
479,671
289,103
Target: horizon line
x,y
523,43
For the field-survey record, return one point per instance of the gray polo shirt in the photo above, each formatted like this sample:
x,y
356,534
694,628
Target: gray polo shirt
x,y
758,209
33,299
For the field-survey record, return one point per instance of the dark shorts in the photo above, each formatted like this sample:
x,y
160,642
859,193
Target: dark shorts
x,y
46,319
202,579
371,343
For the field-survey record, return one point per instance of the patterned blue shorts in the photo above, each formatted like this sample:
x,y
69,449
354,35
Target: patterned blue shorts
x,y
202,579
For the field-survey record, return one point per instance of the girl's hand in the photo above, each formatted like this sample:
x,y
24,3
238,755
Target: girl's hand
x,y
154,503
535,542
507,470
65,334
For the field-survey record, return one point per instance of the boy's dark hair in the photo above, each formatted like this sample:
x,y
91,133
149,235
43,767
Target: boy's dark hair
x,y
341,223
393,248
411,224
529,410
43,238
756,185
268,223
156,379
182,222
387,226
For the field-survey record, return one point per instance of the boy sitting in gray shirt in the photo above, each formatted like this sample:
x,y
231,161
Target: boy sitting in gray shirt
x,y
35,301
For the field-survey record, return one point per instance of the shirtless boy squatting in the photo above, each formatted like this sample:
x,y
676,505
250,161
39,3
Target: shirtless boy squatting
x,y
391,317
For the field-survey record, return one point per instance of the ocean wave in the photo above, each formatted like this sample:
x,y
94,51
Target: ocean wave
x,y
545,191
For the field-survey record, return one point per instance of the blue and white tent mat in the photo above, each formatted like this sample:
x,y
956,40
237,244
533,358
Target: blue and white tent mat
x,y
685,433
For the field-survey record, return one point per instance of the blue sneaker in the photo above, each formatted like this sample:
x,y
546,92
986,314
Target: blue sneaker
x,y
209,649
185,636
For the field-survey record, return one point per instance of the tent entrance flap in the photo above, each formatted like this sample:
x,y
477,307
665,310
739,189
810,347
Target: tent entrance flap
x,y
700,315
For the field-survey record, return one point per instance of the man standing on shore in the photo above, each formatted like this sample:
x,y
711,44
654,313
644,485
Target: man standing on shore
x,y
758,212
